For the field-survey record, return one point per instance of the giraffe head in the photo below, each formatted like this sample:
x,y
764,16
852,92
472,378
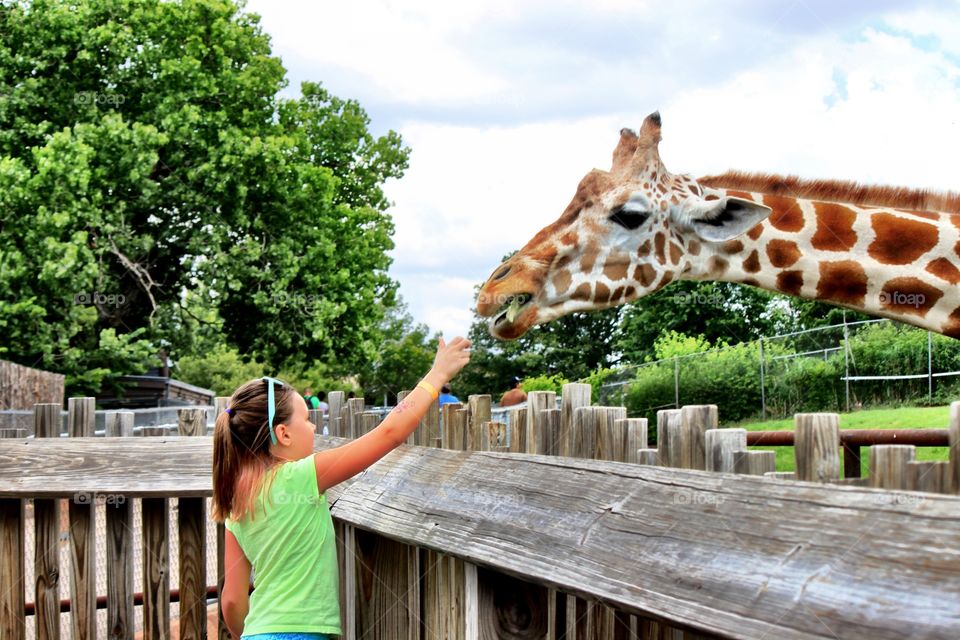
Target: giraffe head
x,y
626,233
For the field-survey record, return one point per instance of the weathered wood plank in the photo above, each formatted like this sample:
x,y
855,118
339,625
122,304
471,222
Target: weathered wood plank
x,y
719,559
12,569
954,437
722,445
46,520
537,401
573,396
388,598
83,583
120,621
118,424
668,437
888,465
817,446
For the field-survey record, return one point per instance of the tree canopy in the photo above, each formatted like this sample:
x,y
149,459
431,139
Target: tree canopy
x,y
153,182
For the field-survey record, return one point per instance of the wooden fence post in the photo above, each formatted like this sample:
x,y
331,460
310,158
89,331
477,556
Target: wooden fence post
x,y
817,446
355,407
694,422
192,531
118,424
572,396
155,518
635,434
494,436
450,430
755,463
479,406
47,423
83,531
722,445
954,430
13,569
888,465
546,432
931,476
335,402
668,437
518,430
537,401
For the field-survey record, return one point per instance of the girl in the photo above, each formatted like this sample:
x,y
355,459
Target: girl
x,y
269,490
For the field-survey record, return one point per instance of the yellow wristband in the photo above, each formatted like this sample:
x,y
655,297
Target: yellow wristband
x,y
429,388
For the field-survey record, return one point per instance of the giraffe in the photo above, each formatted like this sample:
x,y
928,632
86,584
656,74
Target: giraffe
x,y
634,229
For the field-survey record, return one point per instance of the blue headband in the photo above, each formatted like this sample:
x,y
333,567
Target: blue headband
x,y
271,405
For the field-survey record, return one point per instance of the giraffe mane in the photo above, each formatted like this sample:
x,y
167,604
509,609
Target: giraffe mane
x,y
846,191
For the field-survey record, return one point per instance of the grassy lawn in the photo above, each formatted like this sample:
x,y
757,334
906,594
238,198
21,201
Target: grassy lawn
x,y
902,418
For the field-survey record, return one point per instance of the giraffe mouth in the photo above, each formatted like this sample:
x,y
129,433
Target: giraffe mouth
x,y
512,308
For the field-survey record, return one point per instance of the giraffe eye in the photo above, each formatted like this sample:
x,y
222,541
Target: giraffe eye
x,y
627,218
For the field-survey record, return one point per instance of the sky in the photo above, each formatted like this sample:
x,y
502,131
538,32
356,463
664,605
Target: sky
x,y
507,104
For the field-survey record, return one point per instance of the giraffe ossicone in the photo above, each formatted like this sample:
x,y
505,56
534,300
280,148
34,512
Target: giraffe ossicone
x,y
632,230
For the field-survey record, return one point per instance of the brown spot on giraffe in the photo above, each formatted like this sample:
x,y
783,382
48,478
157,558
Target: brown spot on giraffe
x,y
945,270
711,197
663,205
752,263
693,248
786,215
695,190
732,246
955,219
717,266
909,295
644,274
569,238
755,232
790,282
617,294
741,194
644,249
676,252
616,269
783,253
659,243
589,257
630,293
665,280
834,227
662,188
843,281
900,241
562,281
952,326
582,292
603,293
751,282
563,262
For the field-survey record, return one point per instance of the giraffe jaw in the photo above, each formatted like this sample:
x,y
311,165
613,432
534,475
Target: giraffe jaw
x,y
514,318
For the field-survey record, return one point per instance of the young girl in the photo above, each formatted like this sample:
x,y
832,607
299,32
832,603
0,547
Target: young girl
x,y
269,489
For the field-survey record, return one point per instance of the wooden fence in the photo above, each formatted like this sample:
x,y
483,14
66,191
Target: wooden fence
x,y
549,529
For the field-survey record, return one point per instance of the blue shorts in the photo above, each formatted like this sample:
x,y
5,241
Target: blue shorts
x,y
287,635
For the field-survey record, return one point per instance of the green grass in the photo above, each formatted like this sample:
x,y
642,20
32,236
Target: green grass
x,y
900,418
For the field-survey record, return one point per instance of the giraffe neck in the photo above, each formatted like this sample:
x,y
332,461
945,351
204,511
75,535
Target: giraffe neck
x,y
899,264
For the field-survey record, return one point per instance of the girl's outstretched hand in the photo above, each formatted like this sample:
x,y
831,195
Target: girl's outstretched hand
x,y
451,358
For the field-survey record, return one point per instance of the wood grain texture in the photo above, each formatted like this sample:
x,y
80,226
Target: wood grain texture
x,y
537,401
388,594
118,424
192,555
119,528
573,396
508,607
493,436
155,516
80,417
518,430
429,430
719,560
479,405
12,569
451,431
336,401
888,465
191,422
930,476
755,463
954,437
695,420
817,446
83,585
722,445
46,518
668,437
635,434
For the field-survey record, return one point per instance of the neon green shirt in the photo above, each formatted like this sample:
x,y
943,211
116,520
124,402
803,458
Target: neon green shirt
x,y
294,555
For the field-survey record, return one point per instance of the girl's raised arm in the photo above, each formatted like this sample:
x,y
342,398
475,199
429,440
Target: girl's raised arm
x,y
336,465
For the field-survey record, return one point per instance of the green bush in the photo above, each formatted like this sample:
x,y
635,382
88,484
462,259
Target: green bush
x,y
544,383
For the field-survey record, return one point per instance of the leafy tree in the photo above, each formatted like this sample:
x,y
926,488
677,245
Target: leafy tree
x,y
145,157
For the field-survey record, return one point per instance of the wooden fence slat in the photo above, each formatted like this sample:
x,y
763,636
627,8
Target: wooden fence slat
x,y
695,420
192,535
722,445
494,436
118,424
336,400
954,437
46,519
546,432
573,396
518,430
507,607
388,596
888,465
355,406
155,521
119,541
479,405
668,437
80,417
817,446
635,432
537,401
82,533
931,476
755,463
12,569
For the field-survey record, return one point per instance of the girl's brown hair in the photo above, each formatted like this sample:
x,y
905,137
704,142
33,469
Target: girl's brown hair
x,y
241,447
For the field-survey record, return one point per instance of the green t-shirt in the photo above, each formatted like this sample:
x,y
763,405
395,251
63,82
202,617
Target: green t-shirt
x,y
294,555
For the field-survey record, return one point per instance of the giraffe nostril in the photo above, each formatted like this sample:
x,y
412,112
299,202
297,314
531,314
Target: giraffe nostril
x,y
500,275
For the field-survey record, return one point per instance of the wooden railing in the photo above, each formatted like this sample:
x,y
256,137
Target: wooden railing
x,y
440,543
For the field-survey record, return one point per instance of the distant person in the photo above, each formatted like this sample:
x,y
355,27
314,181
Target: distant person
x,y
446,397
515,395
313,402
351,395
322,403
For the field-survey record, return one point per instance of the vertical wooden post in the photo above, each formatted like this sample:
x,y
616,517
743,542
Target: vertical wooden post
x,y
118,424
930,476
479,413
387,588
954,435
573,396
335,401
606,441
888,465
412,438
500,606
368,422
546,431
755,463
648,456
494,436
191,527
694,422
635,432
450,430
12,569
355,407
668,437
83,550
722,445
347,559
46,517
518,430
155,519
537,401
220,404
817,446
429,431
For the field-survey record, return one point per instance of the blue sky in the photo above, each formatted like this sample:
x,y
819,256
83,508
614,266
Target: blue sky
x,y
506,104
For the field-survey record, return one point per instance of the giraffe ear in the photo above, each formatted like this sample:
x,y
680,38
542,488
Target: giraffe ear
x,y
726,218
